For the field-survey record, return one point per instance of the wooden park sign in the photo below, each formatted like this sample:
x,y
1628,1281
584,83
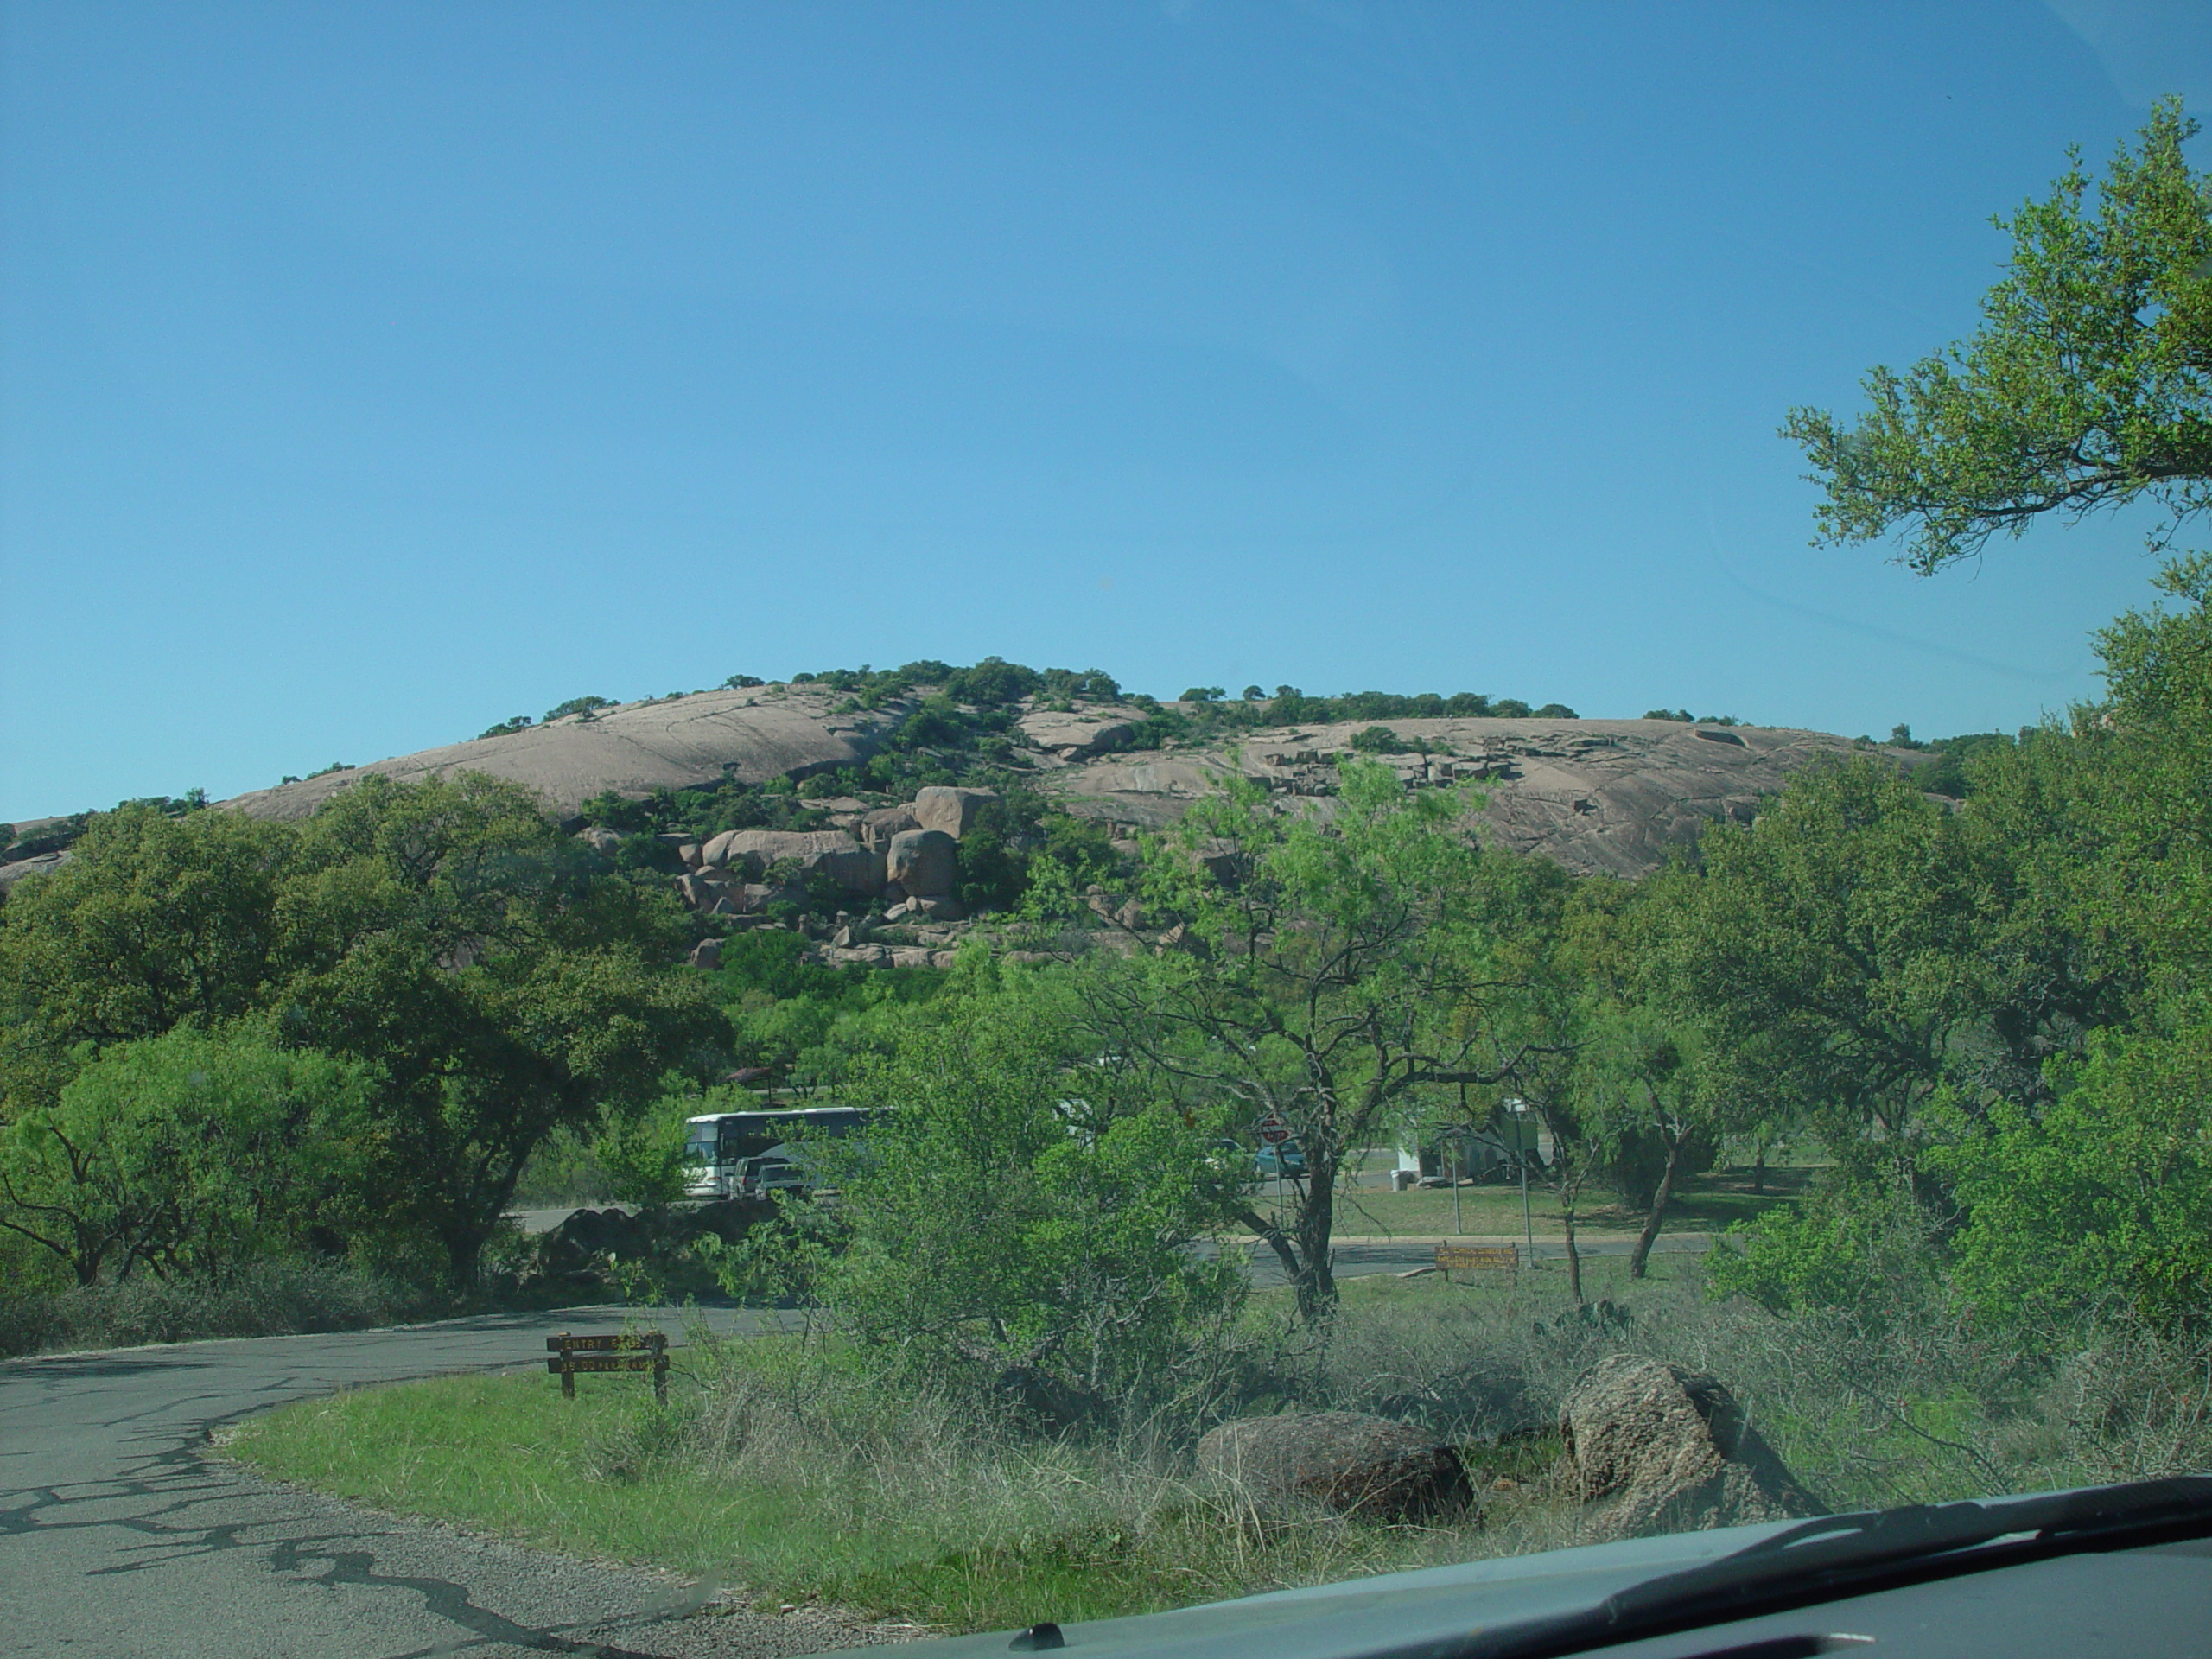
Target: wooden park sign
x,y
644,1350
1477,1257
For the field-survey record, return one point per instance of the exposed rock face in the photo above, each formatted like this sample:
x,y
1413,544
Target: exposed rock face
x,y
634,748
952,810
1082,733
11,873
1342,1461
847,863
923,862
1653,1448
1596,795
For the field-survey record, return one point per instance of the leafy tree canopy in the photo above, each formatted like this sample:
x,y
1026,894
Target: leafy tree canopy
x,y
2087,385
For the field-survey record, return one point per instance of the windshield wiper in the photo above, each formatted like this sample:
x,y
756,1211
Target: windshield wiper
x,y
1854,1555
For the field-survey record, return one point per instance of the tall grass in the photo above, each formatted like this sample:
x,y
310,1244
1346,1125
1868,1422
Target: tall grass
x,y
268,1299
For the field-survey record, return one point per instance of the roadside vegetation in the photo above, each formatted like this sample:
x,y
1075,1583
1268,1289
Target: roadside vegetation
x,y
787,1469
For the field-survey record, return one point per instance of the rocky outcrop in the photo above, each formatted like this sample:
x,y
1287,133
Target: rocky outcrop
x,y
1654,1448
1613,796
634,748
1344,1461
11,873
1595,794
832,852
877,828
1077,734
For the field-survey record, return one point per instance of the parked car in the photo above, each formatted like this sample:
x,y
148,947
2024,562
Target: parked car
x,y
1285,1158
771,1173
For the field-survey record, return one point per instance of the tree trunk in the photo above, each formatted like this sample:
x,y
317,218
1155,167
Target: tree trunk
x,y
1642,1253
1276,1239
1317,1280
1758,1171
1574,1257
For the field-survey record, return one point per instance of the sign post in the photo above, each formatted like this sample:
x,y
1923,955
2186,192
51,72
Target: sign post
x,y
1275,1132
1522,1141
645,1350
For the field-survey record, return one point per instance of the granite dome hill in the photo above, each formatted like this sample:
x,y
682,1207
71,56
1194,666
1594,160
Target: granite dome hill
x,y
1596,795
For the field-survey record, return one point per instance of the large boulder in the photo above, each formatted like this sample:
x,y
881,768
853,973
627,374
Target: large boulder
x,y
878,827
851,866
953,810
1654,1448
1342,1461
922,862
735,846
1071,733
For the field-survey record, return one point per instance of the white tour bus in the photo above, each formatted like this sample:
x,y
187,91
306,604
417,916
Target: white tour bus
x,y
750,1155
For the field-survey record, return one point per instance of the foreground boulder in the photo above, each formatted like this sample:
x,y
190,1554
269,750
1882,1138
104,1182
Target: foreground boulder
x,y
1342,1461
1654,1448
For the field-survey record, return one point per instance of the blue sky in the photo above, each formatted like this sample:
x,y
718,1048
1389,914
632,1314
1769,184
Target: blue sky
x,y
373,372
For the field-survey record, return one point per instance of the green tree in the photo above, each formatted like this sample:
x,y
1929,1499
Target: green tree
x,y
2155,880
2087,385
2104,1195
1833,956
1019,1217
1331,974
1640,1062
192,1153
449,934
154,919
498,980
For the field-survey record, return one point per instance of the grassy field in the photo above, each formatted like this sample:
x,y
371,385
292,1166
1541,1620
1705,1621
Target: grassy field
x,y
955,1537
1707,1204
899,1507
767,1473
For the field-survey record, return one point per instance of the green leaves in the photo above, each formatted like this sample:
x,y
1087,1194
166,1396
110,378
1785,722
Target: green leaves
x,y
2089,384
1018,1217
193,1153
2103,1195
1833,955
493,979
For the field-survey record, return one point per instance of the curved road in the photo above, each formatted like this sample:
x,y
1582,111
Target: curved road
x,y
119,1537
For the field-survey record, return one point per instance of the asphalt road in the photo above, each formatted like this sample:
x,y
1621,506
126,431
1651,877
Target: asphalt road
x,y
121,1537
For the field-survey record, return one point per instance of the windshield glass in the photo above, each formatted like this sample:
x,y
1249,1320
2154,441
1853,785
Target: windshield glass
x,y
1286,791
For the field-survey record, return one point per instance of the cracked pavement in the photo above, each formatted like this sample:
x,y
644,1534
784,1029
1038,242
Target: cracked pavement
x,y
122,1535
